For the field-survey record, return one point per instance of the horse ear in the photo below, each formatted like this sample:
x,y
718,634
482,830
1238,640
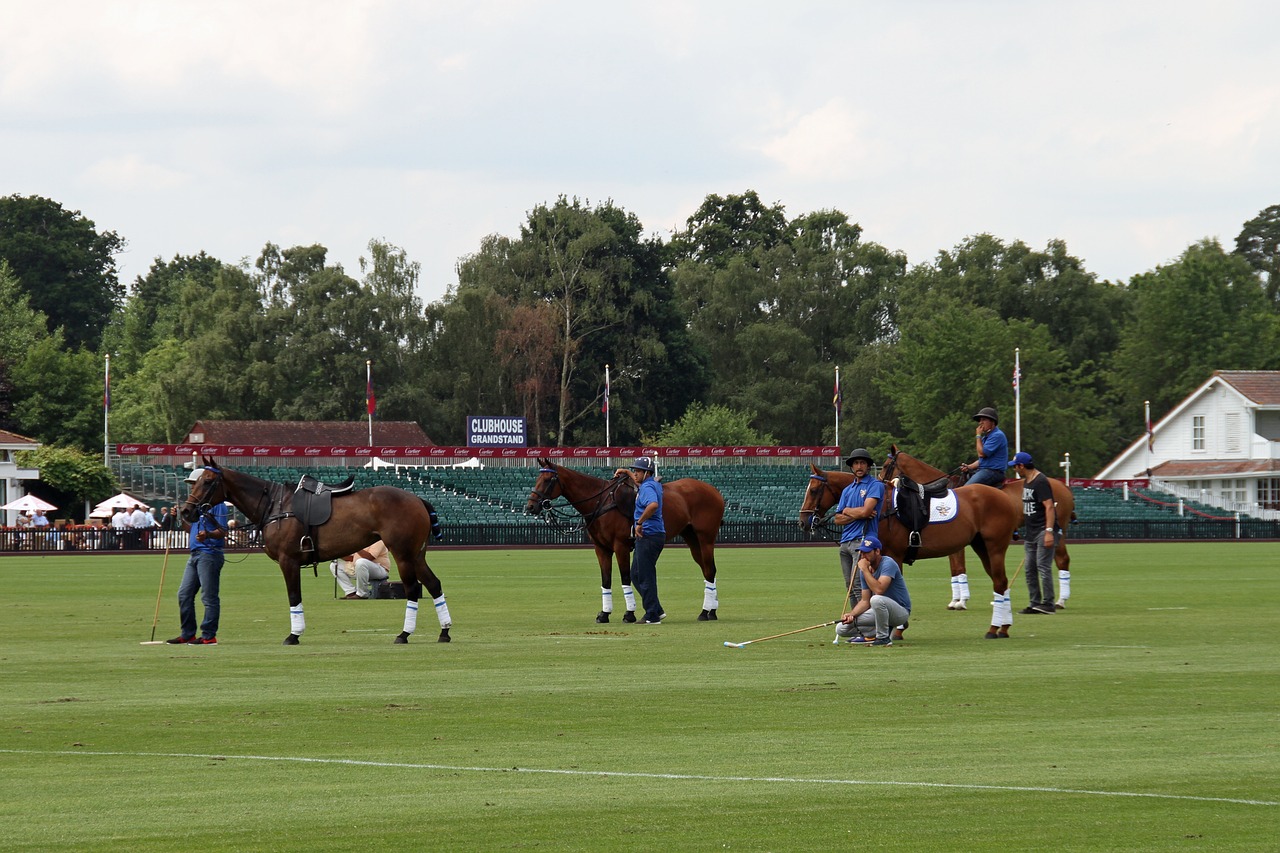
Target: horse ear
x,y
814,466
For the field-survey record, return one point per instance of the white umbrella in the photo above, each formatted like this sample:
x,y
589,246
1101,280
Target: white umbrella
x,y
29,502
123,500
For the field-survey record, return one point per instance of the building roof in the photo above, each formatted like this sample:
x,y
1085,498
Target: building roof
x,y
1213,468
17,442
282,433
1259,386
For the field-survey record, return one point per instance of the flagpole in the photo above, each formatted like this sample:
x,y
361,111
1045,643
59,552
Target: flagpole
x,y
835,401
606,406
1150,434
106,413
368,384
1017,400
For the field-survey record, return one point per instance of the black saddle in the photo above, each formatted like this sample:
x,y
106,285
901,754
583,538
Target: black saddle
x,y
313,505
913,509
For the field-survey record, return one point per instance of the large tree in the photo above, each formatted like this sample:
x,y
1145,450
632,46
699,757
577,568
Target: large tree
x,y
65,265
1259,244
1206,311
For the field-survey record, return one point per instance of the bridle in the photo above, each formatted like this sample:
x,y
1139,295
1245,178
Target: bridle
x,y
560,515
817,518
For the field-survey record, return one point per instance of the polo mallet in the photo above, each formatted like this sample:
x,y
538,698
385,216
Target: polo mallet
x,y
156,619
853,577
776,636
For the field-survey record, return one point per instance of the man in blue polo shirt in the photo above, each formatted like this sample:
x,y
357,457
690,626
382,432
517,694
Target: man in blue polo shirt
x,y
858,514
650,533
884,601
203,574
993,451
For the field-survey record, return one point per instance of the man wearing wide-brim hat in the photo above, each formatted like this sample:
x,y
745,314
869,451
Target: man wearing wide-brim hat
x,y
858,515
993,451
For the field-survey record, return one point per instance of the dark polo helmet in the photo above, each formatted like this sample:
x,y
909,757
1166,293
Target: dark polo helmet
x,y
988,412
860,453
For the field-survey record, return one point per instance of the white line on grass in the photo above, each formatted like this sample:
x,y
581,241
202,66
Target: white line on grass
x,y
617,774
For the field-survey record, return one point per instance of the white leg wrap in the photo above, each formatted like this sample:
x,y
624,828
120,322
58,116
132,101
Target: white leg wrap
x,y
442,612
1064,586
709,599
297,621
410,616
1001,610
964,586
606,600
629,595
955,589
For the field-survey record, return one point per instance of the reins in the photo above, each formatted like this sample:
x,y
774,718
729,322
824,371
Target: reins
x,y
561,516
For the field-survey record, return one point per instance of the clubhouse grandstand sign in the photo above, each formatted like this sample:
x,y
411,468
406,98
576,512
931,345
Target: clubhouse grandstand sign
x,y
432,453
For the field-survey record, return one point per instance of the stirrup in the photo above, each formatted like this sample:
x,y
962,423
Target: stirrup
x,y
913,541
305,544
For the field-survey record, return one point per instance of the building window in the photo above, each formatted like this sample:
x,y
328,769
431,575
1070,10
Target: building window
x,y
1269,493
1197,432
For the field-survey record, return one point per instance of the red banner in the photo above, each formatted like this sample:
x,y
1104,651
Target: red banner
x,y
440,452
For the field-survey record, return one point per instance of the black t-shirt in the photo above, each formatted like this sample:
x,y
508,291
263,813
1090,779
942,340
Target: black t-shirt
x,y
1034,495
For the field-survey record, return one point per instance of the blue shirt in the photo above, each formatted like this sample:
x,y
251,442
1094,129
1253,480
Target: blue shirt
x,y
898,586
854,496
214,519
995,451
650,491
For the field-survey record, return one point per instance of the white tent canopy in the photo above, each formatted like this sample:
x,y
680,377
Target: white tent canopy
x,y
123,500
29,502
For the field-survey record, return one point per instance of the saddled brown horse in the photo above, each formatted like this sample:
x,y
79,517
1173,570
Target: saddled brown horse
x,y
983,520
403,521
690,508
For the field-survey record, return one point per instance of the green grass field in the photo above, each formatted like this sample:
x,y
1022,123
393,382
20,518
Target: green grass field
x,y
1145,717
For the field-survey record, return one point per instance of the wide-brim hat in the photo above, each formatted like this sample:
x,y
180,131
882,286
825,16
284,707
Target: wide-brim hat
x,y
859,453
987,412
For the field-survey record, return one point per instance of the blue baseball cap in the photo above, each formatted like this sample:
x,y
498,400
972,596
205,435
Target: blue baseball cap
x,y
1023,458
642,463
869,543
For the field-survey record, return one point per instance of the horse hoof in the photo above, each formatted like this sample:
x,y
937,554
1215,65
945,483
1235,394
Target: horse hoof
x,y
602,618
629,616
401,639
707,616
444,636
291,640
991,635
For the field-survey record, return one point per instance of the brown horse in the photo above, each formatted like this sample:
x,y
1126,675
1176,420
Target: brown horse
x,y
401,520
984,520
690,508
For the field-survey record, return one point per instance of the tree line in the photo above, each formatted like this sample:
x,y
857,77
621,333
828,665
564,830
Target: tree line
x,y
728,331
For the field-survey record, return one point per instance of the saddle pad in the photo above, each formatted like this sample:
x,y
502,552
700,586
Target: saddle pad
x,y
943,509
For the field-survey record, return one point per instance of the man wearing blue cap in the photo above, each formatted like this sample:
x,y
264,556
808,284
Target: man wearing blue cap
x,y
650,534
885,601
1039,517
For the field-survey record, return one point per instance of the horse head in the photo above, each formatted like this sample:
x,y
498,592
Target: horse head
x,y
207,490
818,492
545,489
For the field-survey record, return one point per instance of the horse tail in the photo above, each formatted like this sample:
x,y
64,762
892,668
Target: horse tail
x,y
436,532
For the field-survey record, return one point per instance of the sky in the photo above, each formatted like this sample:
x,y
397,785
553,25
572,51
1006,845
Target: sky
x,y
1128,130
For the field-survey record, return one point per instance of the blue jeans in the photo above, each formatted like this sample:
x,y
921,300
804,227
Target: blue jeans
x,y
644,572
203,573
987,477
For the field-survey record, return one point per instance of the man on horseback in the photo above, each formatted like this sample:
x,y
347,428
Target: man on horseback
x,y
993,451
858,513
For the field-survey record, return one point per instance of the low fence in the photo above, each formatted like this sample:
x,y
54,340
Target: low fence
x,y
536,533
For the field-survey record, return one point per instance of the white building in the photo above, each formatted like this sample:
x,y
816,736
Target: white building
x,y
11,476
1221,445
